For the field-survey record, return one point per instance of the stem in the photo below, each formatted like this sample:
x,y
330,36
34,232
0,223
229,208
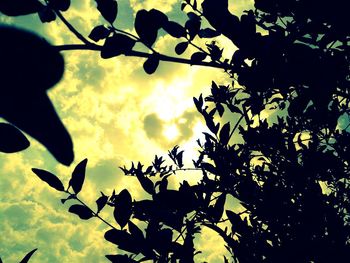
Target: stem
x,y
72,29
236,126
133,53
95,214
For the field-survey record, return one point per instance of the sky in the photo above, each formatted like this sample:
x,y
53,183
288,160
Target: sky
x,y
115,114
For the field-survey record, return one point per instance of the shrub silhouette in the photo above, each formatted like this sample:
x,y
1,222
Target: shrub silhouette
x,y
289,172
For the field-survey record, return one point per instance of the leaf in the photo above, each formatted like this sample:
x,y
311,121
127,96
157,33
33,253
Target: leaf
x,y
174,29
116,45
151,64
82,211
198,57
28,256
146,184
208,33
78,176
11,139
225,134
61,5
46,15
181,47
218,208
101,202
123,240
19,7
49,178
99,32
146,27
120,259
108,9
135,232
123,208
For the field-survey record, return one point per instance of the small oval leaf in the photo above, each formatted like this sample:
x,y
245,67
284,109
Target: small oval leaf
x,y
99,32
180,48
49,178
198,57
82,211
174,29
151,64
116,45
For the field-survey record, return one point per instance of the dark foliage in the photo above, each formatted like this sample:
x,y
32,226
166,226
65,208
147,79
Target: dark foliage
x,y
288,172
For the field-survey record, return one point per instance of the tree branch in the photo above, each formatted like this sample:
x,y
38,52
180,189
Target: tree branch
x,y
134,53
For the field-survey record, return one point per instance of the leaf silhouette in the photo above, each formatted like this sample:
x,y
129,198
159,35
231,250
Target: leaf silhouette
x,y
225,134
61,5
49,178
24,101
123,240
120,259
19,7
108,9
47,15
181,47
99,32
78,176
174,29
151,64
116,45
101,202
208,33
82,211
198,57
11,139
123,208
28,256
146,27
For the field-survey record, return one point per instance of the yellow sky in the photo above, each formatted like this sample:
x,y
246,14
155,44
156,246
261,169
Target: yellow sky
x,y
115,114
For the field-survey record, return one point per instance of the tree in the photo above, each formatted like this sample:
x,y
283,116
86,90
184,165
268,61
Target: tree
x,y
289,171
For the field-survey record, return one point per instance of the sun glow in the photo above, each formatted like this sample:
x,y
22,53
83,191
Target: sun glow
x,y
171,132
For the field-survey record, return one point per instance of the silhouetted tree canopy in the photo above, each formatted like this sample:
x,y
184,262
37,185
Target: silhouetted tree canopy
x,y
289,171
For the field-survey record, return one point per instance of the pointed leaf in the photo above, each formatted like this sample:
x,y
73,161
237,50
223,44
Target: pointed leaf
x,y
78,176
28,256
225,134
49,178
123,240
11,139
181,47
108,9
146,184
101,202
218,208
99,32
151,64
123,208
135,231
82,211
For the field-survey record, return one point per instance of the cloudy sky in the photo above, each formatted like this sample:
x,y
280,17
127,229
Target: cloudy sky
x,y
115,114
